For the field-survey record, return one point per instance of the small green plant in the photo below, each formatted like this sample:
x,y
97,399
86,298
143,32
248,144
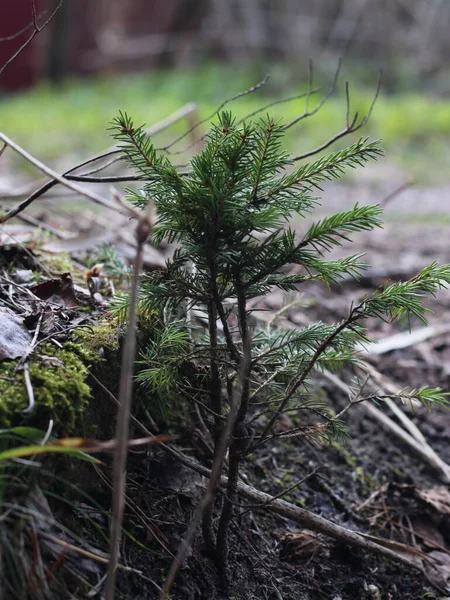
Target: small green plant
x,y
229,215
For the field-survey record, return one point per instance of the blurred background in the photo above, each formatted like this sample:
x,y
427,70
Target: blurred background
x,y
407,38
151,58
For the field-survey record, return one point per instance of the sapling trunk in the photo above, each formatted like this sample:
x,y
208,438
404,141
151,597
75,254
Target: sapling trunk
x,y
240,439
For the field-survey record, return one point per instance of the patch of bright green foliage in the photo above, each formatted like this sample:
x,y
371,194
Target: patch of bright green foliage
x,y
406,121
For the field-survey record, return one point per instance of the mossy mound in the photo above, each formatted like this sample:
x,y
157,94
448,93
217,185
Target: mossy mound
x,y
58,378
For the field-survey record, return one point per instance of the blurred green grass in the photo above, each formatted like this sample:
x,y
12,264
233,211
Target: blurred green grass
x,y
70,122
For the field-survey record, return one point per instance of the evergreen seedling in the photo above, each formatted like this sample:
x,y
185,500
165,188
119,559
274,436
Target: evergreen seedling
x,y
229,215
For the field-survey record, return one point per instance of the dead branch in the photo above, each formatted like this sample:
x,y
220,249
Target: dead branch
x,y
68,175
36,29
405,554
264,108
399,190
196,125
59,178
310,113
397,552
404,339
351,126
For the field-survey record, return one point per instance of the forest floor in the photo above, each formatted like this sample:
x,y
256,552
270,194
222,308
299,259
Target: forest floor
x,y
374,483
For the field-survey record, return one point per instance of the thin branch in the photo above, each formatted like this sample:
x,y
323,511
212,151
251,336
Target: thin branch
x,y
13,36
152,130
59,178
405,554
106,179
276,103
408,556
250,90
99,168
36,29
214,478
399,190
292,487
351,125
423,450
240,441
310,113
226,330
295,384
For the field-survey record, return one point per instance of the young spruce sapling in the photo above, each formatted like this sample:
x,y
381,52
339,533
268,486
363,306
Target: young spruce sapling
x,y
229,216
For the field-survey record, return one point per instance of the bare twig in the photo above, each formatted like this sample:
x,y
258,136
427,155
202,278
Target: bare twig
x,y
296,383
36,29
95,556
13,36
351,124
399,190
406,555
250,90
143,230
250,507
310,113
28,253
264,108
152,130
421,448
59,178
403,339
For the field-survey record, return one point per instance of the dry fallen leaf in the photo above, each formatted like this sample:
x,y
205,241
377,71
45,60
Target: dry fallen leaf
x,y
14,337
57,291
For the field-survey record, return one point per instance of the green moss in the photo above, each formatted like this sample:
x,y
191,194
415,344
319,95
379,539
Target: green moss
x,y
104,336
58,377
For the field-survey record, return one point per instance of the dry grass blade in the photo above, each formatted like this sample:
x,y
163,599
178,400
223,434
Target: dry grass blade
x,y
143,230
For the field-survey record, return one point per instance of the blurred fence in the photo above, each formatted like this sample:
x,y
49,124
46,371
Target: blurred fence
x,y
113,34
